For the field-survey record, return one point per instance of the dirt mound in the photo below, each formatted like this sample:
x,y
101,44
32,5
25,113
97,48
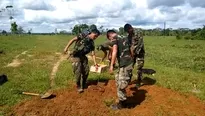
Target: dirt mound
x,y
148,100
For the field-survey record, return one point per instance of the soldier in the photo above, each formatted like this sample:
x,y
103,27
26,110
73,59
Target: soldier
x,y
138,51
107,50
121,51
84,44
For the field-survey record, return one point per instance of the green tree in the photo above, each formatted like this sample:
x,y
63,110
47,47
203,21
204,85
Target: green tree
x,y
101,29
79,28
121,31
20,30
63,32
202,33
4,32
93,26
29,31
14,28
83,26
76,30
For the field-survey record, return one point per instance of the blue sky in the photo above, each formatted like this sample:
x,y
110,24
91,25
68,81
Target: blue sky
x,y
46,15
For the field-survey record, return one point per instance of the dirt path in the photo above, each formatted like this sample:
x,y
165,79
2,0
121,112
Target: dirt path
x,y
149,100
55,69
16,62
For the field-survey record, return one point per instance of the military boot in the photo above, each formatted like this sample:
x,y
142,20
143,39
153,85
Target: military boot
x,y
138,84
139,79
118,106
84,84
79,88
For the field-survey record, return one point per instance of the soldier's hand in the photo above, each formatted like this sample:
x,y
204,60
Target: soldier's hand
x,y
65,51
96,67
111,70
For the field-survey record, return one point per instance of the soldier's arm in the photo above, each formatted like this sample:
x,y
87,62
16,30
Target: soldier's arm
x,y
69,44
114,55
94,58
132,51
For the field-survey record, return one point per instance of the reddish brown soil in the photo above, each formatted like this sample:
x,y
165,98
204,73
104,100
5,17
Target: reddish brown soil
x,y
149,100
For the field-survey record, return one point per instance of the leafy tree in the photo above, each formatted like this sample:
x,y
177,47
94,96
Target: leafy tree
x,y
14,28
29,31
63,32
4,32
121,31
83,26
101,29
20,30
202,33
79,28
76,29
93,26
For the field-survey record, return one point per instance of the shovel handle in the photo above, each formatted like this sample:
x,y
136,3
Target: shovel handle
x,y
28,93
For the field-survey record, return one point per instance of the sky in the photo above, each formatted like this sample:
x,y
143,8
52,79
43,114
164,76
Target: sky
x,y
47,15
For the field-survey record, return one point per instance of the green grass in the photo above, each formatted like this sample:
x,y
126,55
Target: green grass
x,y
179,65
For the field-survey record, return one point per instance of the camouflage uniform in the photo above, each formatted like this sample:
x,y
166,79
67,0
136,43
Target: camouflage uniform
x,y
83,46
125,62
139,52
106,47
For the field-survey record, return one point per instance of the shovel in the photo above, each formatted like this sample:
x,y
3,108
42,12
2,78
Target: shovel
x,y
42,96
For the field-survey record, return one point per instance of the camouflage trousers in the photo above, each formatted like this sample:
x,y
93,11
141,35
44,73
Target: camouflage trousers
x,y
122,79
139,61
80,70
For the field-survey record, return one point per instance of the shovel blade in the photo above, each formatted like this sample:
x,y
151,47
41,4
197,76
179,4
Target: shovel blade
x,y
46,95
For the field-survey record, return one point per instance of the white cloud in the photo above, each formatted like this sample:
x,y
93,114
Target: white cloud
x,y
36,5
169,3
46,15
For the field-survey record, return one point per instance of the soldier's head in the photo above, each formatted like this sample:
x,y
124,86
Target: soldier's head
x,y
128,28
94,34
111,34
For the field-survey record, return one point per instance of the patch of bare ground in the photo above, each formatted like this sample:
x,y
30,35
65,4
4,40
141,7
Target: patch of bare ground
x,y
148,100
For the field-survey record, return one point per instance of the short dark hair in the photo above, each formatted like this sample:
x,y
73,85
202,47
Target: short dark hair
x,y
96,31
127,27
110,31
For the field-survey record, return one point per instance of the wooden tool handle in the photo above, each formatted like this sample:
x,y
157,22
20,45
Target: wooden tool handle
x,y
27,93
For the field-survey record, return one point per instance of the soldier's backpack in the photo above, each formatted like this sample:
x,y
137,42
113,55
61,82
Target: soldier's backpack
x,y
83,45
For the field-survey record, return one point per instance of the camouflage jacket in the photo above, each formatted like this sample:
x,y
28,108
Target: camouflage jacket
x,y
83,45
123,53
105,46
137,43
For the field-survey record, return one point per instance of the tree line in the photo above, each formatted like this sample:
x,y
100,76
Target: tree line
x,y
181,33
15,29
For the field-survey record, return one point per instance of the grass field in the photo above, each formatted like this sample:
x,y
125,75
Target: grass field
x,y
180,65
